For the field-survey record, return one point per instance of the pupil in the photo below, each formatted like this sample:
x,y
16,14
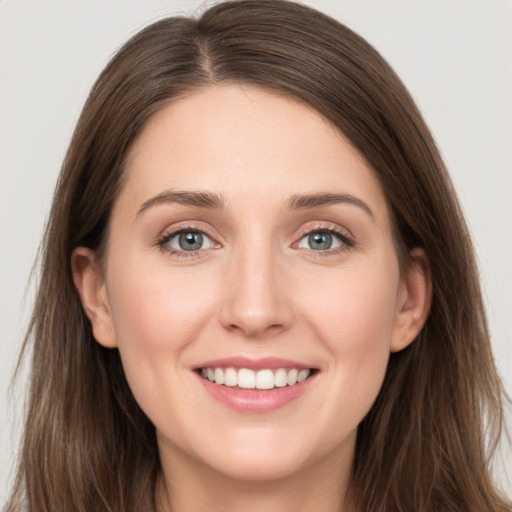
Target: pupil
x,y
191,241
320,241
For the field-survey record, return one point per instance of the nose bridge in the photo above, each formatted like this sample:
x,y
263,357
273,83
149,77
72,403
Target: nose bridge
x,y
256,301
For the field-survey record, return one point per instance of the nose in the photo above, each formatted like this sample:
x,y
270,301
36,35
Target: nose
x,y
257,303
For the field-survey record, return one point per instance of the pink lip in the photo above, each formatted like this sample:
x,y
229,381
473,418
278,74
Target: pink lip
x,y
254,400
253,364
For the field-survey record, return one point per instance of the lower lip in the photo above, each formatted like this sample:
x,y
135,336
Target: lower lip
x,y
256,400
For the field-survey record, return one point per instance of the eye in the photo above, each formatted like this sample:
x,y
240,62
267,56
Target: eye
x,y
186,241
324,240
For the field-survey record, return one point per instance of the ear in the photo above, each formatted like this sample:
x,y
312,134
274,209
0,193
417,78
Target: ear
x,y
414,300
90,283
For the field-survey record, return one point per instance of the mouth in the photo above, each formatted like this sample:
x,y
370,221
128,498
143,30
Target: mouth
x,y
263,379
261,385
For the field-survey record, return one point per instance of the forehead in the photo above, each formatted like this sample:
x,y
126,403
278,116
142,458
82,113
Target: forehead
x,y
245,142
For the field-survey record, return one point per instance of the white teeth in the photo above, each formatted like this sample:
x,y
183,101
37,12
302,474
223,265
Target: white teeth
x,y
230,377
265,379
280,378
249,379
219,376
303,375
246,379
292,377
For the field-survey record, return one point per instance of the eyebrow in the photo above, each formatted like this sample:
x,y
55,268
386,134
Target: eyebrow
x,y
209,200
198,199
308,201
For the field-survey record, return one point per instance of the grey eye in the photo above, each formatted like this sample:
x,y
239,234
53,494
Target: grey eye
x,y
190,241
320,241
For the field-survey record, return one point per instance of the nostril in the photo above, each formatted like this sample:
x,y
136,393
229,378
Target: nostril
x,y
255,329
253,307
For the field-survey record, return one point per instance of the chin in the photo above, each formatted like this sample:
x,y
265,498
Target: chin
x,y
258,467
264,455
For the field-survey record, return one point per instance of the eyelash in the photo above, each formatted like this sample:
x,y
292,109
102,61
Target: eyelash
x,y
166,237
347,242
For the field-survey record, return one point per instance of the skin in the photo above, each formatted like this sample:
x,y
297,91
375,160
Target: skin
x,y
258,289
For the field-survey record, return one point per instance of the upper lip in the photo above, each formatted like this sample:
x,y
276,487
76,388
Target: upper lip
x,y
253,364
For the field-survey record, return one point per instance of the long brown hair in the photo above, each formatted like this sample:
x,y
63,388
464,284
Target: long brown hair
x,y
88,446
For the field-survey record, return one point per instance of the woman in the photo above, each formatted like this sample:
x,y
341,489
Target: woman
x,y
247,292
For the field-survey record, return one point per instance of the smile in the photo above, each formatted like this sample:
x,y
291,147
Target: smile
x,y
255,385
264,379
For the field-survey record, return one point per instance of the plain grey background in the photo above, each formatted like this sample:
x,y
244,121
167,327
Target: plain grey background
x,y
455,57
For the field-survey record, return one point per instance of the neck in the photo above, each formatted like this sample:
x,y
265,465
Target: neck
x,y
188,486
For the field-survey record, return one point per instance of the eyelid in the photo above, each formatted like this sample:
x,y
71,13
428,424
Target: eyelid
x,y
172,231
344,235
324,226
346,238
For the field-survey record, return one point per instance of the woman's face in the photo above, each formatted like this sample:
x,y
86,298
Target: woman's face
x,y
250,244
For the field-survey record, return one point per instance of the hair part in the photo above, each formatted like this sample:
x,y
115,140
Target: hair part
x,y
87,444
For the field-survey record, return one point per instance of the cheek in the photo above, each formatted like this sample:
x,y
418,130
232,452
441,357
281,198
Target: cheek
x,y
156,316
355,318
157,308
356,309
